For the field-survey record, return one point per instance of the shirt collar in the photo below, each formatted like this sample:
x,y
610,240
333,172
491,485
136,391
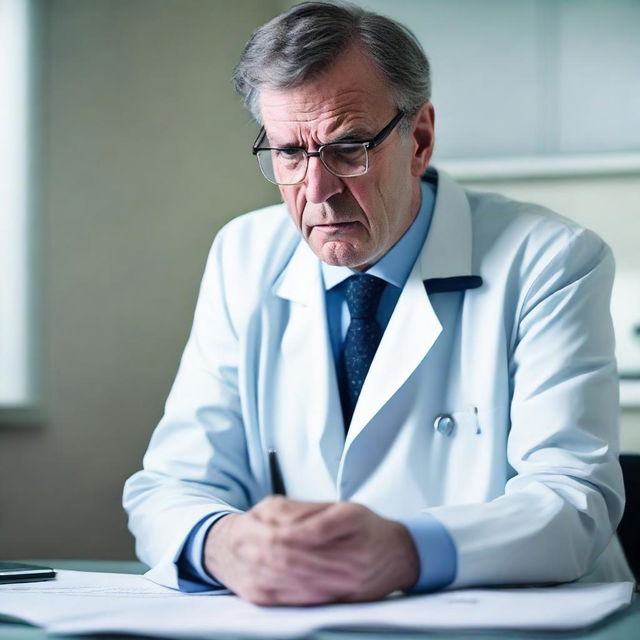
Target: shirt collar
x,y
394,267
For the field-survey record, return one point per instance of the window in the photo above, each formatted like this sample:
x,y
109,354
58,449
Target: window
x,y
16,337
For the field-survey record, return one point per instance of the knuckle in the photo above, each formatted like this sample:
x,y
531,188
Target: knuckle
x,y
285,533
275,502
321,528
356,512
267,506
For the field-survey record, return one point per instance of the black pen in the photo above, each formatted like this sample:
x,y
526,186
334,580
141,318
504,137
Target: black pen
x,y
277,483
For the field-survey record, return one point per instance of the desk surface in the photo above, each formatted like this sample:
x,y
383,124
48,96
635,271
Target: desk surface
x,y
623,625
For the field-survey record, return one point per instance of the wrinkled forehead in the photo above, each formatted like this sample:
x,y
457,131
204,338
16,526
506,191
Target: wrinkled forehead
x,y
352,94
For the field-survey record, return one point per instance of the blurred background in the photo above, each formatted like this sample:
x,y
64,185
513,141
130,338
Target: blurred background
x,y
123,150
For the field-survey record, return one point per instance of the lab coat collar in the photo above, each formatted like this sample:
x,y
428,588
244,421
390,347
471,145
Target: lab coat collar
x,y
299,280
447,250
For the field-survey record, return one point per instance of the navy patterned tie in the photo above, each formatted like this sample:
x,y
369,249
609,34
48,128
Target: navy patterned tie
x,y
362,294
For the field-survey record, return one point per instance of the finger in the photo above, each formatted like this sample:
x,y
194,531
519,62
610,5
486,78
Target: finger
x,y
279,510
268,547
337,522
278,574
305,585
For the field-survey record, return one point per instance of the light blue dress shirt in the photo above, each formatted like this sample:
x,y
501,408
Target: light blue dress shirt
x,y
434,545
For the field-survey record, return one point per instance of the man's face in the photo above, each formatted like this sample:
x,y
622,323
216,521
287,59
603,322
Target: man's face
x,y
350,222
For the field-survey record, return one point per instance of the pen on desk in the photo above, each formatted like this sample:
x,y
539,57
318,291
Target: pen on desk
x,y
277,483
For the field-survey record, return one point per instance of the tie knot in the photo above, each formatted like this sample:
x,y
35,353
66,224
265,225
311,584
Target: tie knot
x,y
362,294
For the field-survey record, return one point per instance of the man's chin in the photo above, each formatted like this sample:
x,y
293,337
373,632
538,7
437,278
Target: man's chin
x,y
341,254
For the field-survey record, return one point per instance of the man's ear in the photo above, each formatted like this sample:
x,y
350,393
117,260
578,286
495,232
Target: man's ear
x,y
422,139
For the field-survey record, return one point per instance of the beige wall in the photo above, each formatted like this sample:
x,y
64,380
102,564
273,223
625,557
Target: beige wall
x,y
147,156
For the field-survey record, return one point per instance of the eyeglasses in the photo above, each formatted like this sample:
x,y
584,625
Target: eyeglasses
x,y
345,159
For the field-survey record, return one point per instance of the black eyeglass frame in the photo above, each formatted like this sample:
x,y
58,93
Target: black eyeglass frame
x,y
377,140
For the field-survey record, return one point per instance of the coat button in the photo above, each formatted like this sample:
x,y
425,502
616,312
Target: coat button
x,y
444,424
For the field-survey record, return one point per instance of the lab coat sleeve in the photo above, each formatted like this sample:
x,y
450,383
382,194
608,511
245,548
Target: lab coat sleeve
x,y
565,497
197,462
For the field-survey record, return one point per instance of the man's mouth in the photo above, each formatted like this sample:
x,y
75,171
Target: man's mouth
x,y
335,227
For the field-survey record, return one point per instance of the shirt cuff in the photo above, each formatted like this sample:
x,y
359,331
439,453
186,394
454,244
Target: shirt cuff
x,y
192,575
436,551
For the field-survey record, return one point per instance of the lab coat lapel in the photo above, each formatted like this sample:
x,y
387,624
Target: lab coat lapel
x,y
447,250
306,350
414,326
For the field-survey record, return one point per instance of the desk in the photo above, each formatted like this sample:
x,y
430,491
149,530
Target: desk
x,y
623,625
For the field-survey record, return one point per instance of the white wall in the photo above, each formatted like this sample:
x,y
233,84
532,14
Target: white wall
x,y
529,77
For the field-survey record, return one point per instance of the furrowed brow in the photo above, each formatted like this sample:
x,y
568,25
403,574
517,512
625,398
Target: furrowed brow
x,y
284,145
278,144
353,135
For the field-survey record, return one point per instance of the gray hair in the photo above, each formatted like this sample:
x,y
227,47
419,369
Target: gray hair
x,y
299,44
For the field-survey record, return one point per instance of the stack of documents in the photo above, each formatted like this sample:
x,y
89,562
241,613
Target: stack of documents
x,y
83,602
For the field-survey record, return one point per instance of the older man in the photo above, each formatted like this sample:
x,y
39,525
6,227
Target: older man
x,y
430,370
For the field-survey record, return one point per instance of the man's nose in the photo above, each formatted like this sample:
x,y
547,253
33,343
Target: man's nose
x,y
320,183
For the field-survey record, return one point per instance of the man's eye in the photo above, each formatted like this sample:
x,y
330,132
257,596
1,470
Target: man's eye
x,y
289,153
346,150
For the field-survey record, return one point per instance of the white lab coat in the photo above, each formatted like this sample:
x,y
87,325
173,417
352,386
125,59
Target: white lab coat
x,y
527,483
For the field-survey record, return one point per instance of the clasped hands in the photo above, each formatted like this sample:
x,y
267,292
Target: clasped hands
x,y
287,552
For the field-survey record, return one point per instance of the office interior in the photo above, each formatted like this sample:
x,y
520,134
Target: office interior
x,y
142,152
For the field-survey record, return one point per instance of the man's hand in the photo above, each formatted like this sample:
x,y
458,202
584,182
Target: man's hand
x,y
302,553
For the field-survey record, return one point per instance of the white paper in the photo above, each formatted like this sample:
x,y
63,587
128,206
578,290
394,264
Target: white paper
x,y
83,602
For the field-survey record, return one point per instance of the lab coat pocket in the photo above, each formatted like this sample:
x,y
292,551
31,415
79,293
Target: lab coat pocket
x,y
470,447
